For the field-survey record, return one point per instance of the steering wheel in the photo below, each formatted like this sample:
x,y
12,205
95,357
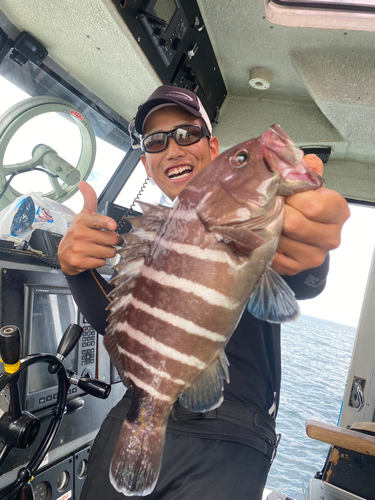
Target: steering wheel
x,y
19,428
18,115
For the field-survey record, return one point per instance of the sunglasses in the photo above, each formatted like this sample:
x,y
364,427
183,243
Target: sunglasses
x,y
185,135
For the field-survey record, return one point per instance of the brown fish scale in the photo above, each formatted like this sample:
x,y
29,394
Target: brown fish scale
x,y
161,384
176,338
200,271
176,369
188,306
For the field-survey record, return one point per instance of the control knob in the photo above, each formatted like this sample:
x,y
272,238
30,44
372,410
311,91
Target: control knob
x,y
176,44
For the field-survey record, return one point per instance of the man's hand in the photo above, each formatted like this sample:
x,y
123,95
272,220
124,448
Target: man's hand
x,y
312,226
85,244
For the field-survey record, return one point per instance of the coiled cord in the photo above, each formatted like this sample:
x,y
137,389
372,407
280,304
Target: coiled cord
x,y
123,219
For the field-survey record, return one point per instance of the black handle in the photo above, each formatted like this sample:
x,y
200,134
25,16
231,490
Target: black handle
x,y
10,345
94,387
69,339
67,343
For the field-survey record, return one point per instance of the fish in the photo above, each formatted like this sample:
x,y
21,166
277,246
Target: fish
x,y
183,280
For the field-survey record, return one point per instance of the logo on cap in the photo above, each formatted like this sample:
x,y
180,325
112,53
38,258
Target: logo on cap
x,y
179,94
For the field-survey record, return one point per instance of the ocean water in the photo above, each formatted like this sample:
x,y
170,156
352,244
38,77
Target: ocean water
x,y
315,362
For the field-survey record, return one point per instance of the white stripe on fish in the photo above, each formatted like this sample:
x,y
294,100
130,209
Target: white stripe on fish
x,y
159,347
200,253
149,367
178,321
151,390
203,292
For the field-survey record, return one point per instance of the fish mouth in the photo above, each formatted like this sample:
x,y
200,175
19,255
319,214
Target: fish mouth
x,y
181,172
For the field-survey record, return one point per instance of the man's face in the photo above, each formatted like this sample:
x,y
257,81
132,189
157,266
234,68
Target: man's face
x,y
174,167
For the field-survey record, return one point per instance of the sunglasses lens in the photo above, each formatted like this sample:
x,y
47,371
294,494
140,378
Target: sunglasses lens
x,y
184,136
155,142
187,135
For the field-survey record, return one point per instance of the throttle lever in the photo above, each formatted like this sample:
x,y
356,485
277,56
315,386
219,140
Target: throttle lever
x,y
66,345
10,351
90,385
10,348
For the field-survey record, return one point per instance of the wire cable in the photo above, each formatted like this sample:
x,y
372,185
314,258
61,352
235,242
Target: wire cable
x,y
23,171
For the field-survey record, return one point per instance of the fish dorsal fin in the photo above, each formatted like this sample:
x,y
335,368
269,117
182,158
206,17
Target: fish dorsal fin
x,y
146,222
132,257
156,211
135,237
272,299
206,393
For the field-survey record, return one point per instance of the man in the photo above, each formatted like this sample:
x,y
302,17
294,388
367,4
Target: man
x,y
225,454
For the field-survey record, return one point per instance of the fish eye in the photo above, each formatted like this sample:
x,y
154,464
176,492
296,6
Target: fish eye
x,y
240,158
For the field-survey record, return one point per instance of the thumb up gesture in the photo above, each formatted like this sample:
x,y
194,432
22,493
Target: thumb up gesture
x,y
86,245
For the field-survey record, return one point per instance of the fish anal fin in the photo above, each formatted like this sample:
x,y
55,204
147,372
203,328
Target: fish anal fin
x,y
272,299
206,393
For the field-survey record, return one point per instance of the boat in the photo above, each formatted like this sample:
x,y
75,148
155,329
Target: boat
x,y
308,66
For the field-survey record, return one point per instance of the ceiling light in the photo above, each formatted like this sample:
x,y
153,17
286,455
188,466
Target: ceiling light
x,y
260,78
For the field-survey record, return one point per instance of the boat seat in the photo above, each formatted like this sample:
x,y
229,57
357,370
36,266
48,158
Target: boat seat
x,y
350,463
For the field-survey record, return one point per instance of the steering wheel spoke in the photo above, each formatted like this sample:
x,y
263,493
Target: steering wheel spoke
x,y
58,190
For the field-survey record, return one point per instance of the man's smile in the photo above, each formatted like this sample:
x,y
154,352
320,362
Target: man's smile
x,y
180,172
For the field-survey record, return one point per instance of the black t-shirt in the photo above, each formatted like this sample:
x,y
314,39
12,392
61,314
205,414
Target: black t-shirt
x,y
253,353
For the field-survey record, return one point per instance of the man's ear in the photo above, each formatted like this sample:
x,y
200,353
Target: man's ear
x,y
214,147
144,161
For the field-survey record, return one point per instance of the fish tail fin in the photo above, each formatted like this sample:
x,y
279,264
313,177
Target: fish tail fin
x,y
136,460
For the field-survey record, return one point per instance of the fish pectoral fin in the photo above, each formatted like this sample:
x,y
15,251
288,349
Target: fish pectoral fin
x,y
272,299
206,393
241,238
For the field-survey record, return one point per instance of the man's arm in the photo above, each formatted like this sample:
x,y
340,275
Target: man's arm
x,y
309,283
89,241
90,291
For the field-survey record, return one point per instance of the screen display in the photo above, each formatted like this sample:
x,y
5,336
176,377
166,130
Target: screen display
x,y
165,9
51,314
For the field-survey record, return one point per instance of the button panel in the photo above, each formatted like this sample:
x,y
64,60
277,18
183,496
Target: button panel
x,y
88,343
167,40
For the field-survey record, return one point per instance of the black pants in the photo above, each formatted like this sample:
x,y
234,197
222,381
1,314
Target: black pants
x,y
192,469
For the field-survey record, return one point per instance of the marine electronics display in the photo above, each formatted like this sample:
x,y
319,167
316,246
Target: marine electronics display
x,y
173,36
41,305
166,24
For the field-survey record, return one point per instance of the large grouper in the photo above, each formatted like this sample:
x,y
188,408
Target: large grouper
x,y
184,278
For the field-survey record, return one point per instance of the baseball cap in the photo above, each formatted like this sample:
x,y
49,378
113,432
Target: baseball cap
x,y
167,95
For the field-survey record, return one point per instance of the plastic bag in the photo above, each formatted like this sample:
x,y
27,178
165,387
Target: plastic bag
x,y
32,211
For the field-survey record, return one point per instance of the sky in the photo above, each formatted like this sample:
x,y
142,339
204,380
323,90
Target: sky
x,y
341,300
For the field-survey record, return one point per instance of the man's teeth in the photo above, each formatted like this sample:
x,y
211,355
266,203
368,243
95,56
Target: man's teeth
x,y
179,172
